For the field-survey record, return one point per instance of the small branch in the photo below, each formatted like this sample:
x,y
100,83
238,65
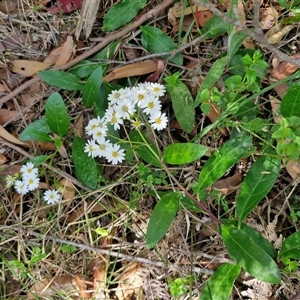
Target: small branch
x,y
108,252
98,47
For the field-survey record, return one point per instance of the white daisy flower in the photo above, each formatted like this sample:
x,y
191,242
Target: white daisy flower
x,y
114,118
125,108
103,146
158,121
91,148
151,106
140,95
51,196
29,170
32,183
155,89
21,187
10,180
99,133
117,95
114,154
95,124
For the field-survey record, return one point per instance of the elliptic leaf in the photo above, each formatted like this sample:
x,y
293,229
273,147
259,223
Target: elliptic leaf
x,y
162,217
250,256
122,13
147,151
290,104
213,75
228,155
183,153
156,41
291,246
85,166
182,102
258,182
214,27
234,42
91,89
220,283
63,80
38,130
56,115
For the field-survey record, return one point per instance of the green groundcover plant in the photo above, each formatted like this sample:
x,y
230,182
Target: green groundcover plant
x,y
125,117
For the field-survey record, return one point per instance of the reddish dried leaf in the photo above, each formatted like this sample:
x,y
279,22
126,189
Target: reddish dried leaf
x,y
8,6
228,185
10,170
160,67
7,114
65,6
3,159
9,137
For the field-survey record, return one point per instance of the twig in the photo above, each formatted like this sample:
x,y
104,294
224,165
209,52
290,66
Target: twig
x,y
99,46
29,232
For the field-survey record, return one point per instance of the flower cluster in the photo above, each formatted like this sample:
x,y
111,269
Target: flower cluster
x,y
124,104
29,181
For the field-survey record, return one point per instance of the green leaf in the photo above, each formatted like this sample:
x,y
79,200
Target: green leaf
x,y
248,255
258,182
84,68
38,160
147,151
256,236
156,41
161,218
183,153
91,89
234,42
56,115
182,102
290,104
220,283
259,240
38,130
85,166
214,27
212,77
63,80
291,246
122,13
228,155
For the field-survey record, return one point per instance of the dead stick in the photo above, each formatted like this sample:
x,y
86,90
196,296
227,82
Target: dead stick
x,y
99,46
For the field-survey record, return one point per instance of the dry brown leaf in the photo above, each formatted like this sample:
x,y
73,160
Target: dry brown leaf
x,y
3,88
68,191
9,137
10,170
84,293
7,114
130,283
213,114
67,51
79,125
3,159
98,268
293,168
88,207
8,6
47,146
203,16
34,94
28,67
276,33
48,288
268,17
160,67
228,185
135,69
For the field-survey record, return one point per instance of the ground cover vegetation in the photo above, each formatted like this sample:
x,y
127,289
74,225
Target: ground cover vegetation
x,y
155,155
